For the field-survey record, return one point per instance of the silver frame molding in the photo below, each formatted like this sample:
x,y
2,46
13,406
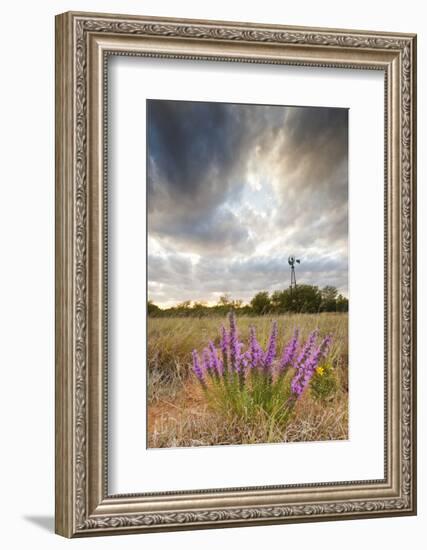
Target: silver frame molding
x,y
83,43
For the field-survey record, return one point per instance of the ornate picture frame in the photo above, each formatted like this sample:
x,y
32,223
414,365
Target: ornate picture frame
x,y
84,42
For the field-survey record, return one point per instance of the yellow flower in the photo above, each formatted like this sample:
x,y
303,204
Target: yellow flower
x,y
320,371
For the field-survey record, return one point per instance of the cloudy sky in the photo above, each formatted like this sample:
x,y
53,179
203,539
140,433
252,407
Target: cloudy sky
x,y
234,189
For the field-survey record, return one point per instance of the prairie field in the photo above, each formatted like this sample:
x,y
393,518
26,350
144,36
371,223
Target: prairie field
x,y
180,414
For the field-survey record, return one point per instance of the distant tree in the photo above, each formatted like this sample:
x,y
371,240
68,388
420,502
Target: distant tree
x,y
199,309
225,304
329,298
342,303
184,305
279,301
224,300
261,303
304,299
199,305
152,309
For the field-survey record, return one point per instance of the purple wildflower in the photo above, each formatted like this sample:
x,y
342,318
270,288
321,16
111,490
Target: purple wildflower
x,y
255,350
320,352
216,363
296,385
289,352
326,344
245,359
271,348
206,359
197,369
234,344
223,344
239,357
305,372
224,340
307,348
207,362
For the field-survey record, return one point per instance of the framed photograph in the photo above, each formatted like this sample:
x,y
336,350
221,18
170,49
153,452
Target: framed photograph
x,y
235,274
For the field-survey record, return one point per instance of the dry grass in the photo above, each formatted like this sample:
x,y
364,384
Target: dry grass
x,y
178,414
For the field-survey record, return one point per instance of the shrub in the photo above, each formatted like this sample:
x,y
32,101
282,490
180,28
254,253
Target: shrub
x,y
257,385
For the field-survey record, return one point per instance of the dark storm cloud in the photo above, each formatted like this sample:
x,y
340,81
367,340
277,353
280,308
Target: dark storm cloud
x,y
314,160
241,187
186,139
197,152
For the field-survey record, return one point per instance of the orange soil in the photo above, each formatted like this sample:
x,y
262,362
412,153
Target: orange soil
x,y
189,400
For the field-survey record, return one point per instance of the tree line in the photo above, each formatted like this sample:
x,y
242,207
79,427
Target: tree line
x,y
302,299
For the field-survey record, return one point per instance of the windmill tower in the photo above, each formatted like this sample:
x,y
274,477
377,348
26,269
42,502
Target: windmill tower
x,y
292,261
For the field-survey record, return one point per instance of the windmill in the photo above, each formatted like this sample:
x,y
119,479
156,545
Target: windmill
x,y
292,261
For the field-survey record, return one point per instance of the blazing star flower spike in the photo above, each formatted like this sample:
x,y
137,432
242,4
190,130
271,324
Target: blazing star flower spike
x,y
307,348
255,351
271,348
215,361
289,352
234,344
306,370
197,369
224,340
